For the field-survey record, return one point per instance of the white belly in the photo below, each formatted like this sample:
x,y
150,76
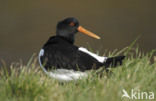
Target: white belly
x,y
67,75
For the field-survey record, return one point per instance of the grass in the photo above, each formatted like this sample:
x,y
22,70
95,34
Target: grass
x,y
29,83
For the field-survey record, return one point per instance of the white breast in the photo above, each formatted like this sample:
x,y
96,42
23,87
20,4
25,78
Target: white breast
x,y
41,52
98,58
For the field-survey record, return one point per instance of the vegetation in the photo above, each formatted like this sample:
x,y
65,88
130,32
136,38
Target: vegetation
x,y
29,83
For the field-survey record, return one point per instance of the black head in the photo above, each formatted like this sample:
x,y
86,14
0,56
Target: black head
x,y
68,27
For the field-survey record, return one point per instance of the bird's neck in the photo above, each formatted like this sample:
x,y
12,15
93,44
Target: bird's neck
x,y
70,38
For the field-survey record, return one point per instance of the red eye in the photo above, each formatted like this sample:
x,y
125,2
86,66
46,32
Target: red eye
x,y
72,24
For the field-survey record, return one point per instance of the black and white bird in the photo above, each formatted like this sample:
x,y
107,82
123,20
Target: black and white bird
x,y
62,60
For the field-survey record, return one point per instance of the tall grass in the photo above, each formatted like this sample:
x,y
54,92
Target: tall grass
x,y
29,83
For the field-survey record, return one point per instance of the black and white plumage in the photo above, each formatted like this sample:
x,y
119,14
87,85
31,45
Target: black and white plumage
x,y
62,60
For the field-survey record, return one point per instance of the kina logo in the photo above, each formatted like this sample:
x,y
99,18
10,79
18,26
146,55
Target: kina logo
x,y
137,94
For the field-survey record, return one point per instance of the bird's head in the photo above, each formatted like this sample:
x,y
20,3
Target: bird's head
x,y
68,27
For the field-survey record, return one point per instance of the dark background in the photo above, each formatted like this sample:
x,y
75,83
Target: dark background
x,y
25,25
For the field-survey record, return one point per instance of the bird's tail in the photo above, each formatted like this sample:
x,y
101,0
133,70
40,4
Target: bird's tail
x,y
113,61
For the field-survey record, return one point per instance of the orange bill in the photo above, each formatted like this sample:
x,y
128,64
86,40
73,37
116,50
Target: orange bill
x,y
85,31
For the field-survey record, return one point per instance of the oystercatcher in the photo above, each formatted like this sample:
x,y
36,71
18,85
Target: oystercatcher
x,y
62,60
